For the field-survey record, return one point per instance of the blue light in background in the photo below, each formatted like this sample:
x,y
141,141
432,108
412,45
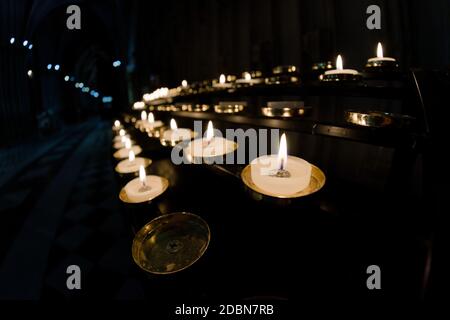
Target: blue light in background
x,y
66,78
12,40
57,67
117,63
49,66
25,43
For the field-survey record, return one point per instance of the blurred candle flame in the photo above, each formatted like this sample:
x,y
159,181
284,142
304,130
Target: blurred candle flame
x,y
247,76
122,132
379,50
117,123
339,63
143,115
173,124
209,132
142,175
151,118
131,156
128,144
222,79
282,153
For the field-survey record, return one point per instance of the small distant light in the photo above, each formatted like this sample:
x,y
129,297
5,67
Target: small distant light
x,y
30,46
12,40
30,73
107,99
72,79
77,85
81,85
92,93
49,66
96,95
25,43
184,83
66,78
57,67
85,89
117,63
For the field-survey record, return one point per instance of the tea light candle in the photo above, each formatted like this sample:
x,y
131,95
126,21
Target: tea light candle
x,y
175,135
132,164
247,79
144,188
222,82
281,175
381,61
124,143
210,146
340,74
124,152
117,125
151,124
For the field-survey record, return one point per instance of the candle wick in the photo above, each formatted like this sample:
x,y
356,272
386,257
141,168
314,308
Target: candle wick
x,y
144,187
281,173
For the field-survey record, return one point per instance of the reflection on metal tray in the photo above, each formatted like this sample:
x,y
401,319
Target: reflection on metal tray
x,y
171,243
285,109
284,69
230,106
379,119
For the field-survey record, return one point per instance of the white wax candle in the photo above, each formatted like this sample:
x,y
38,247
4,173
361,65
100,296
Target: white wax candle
x,y
124,152
180,134
217,146
119,138
340,68
380,57
135,191
263,170
120,145
127,166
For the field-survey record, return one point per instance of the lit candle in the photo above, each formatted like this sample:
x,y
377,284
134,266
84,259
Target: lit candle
x,y
209,146
184,84
124,152
122,132
175,135
224,81
247,78
117,125
144,188
125,141
132,164
139,105
151,124
340,73
143,115
280,175
381,62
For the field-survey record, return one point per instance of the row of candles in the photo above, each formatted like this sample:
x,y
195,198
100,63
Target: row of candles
x,y
277,175
375,64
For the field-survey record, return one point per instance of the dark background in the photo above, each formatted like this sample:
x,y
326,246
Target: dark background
x,y
162,42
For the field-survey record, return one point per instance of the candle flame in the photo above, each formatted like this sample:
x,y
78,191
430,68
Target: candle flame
x,y
222,79
128,143
184,83
131,156
143,115
142,175
117,123
151,118
173,124
339,63
247,76
282,153
122,132
209,132
123,139
379,50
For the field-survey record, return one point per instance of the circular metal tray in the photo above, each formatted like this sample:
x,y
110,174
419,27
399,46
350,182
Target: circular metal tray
x,y
316,183
171,243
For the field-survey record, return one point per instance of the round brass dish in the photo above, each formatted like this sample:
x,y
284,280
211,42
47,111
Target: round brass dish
x,y
316,183
171,243
198,108
124,197
378,119
147,162
229,108
285,112
284,69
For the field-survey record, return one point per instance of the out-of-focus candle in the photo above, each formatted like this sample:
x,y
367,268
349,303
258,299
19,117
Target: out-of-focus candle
x,y
175,135
132,164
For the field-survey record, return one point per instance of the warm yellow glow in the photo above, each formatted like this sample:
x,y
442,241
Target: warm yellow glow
x,y
117,123
173,124
128,144
122,132
142,175
184,83
248,76
282,153
379,50
131,156
151,118
123,139
143,115
222,79
139,105
209,132
339,63
147,97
